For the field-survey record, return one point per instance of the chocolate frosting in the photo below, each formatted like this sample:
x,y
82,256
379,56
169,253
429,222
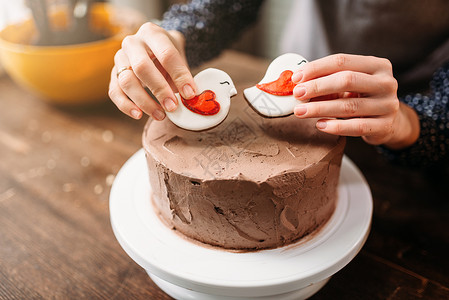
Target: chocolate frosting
x,y
249,183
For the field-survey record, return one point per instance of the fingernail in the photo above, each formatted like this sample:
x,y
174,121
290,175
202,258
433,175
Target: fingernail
x,y
158,115
169,104
321,124
188,91
297,76
299,91
300,110
135,114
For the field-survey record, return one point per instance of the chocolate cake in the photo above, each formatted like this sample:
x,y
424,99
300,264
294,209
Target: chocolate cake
x,y
250,183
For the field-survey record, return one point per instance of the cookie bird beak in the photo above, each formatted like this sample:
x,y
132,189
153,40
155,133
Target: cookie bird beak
x,y
233,92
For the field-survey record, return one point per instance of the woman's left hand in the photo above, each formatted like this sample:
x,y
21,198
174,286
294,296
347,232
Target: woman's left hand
x,y
354,95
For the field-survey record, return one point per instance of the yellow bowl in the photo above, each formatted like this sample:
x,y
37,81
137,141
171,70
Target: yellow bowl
x,y
71,74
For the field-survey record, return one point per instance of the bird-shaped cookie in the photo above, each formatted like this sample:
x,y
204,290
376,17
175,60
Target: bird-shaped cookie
x,y
273,95
208,108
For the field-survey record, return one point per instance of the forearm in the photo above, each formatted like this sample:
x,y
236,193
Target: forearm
x,y
431,146
209,26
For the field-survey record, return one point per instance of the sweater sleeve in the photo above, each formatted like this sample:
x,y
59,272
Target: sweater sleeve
x,y
210,25
431,148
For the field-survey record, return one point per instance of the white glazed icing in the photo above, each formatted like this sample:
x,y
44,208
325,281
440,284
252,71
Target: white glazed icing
x,y
271,105
209,79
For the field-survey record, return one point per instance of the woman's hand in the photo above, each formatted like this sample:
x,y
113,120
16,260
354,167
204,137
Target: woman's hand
x,y
153,58
355,95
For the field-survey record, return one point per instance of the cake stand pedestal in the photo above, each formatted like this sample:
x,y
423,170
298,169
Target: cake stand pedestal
x,y
181,293
187,270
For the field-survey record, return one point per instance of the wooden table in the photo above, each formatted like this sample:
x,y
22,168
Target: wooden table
x,y
56,242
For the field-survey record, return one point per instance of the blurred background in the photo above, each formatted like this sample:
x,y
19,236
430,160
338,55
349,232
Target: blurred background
x,y
62,50
272,19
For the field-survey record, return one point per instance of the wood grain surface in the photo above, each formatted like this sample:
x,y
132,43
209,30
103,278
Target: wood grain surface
x,y
57,165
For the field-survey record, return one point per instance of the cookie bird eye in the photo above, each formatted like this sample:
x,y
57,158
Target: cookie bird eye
x,y
302,61
227,82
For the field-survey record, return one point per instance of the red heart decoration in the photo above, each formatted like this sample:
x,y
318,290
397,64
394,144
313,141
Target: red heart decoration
x,y
283,86
203,104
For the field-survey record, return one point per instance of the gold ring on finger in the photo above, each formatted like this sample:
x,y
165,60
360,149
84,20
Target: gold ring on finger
x,y
123,69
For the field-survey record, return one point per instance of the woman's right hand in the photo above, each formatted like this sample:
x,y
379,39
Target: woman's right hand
x,y
152,58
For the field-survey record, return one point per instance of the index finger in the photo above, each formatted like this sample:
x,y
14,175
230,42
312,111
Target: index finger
x,y
340,62
170,59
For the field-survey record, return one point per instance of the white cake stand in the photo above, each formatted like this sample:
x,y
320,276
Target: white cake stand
x,y
186,270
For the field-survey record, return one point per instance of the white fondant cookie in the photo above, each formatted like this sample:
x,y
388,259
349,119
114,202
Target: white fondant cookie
x,y
208,108
273,95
